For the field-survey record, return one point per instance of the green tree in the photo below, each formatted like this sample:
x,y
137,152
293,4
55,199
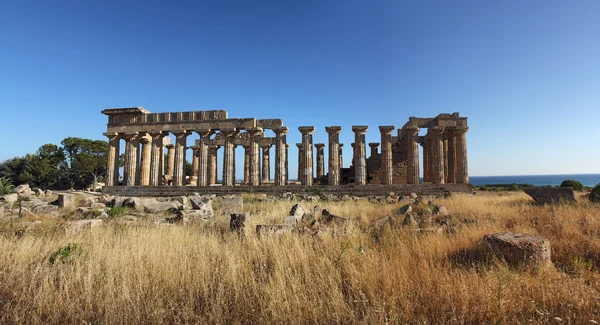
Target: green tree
x,y
85,161
577,186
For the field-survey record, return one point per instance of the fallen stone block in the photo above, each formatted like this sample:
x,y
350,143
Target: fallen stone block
x,y
190,216
23,189
298,212
328,217
549,195
98,206
266,230
11,198
232,204
521,250
66,201
76,227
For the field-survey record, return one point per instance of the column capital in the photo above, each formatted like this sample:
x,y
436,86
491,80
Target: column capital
x,y
145,140
387,129
181,134
353,144
170,146
281,131
287,145
255,131
341,145
319,146
459,130
411,130
204,132
229,132
306,129
359,129
436,129
266,146
374,145
299,145
333,129
112,135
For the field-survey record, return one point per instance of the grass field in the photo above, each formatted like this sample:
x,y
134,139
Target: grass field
x,y
140,273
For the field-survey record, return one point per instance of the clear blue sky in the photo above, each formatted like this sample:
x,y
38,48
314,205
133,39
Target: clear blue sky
x,y
526,73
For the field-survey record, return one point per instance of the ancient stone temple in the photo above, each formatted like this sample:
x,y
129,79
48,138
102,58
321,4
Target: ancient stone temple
x,y
147,145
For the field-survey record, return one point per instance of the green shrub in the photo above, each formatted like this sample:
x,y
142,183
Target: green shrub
x,y
595,194
65,253
114,212
6,186
514,187
577,186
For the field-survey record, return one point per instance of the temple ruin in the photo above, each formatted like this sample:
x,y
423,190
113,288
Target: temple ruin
x,y
146,138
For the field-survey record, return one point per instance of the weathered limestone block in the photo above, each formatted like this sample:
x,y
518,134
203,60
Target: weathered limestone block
x,y
200,202
551,194
11,198
75,227
40,193
521,250
151,205
298,211
328,217
290,220
266,230
98,206
66,201
232,204
23,189
191,216
237,223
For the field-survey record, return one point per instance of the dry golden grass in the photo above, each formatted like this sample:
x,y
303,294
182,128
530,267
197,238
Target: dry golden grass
x,y
152,274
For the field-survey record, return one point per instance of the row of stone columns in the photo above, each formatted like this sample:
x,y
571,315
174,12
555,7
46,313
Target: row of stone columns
x,y
148,169
445,155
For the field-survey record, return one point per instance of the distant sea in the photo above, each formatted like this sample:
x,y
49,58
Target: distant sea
x,y
537,180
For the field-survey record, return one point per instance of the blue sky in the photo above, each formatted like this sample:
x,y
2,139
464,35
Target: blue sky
x,y
526,73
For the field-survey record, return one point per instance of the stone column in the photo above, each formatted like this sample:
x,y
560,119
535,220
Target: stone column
x,y
341,157
374,146
437,155
425,169
281,162
320,159
287,164
445,150
411,134
212,164
353,154
112,168
266,164
156,159
228,157
387,176
171,161
180,145
202,150
234,174
451,161
161,168
300,160
360,153
255,136
131,156
194,161
246,164
335,154
462,165
307,177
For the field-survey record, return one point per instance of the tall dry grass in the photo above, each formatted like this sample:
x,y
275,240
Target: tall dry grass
x,y
141,273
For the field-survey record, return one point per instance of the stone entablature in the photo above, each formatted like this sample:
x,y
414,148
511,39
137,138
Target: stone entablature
x,y
146,138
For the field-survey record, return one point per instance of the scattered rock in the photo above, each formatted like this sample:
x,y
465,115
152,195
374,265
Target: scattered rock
x,y
521,250
237,223
413,196
265,230
406,209
39,193
548,195
200,202
151,205
298,211
66,201
440,210
190,216
232,204
186,202
290,221
345,197
328,217
23,189
287,196
49,193
97,206
76,227
11,198
45,209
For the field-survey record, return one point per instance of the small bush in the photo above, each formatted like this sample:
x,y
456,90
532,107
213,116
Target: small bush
x,y
514,187
577,186
595,194
65,253
5,186
114,212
